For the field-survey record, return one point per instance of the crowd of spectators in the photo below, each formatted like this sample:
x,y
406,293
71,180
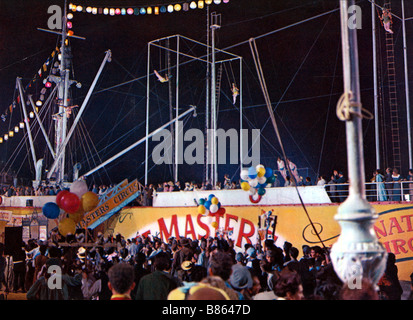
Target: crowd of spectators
x,y
148,268
388,186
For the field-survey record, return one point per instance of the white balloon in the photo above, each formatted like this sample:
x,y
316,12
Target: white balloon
x,y
213,208
259,166
261,180
253,182
79,188
244,174
252,191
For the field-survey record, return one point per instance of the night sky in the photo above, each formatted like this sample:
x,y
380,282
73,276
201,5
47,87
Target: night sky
x,y
302,66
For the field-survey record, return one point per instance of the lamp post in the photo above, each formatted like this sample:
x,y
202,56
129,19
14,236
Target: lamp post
x,y
357,254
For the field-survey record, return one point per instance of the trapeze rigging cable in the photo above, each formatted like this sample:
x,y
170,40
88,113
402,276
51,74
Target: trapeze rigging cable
x,y
263,85
230,47
283,28
268,103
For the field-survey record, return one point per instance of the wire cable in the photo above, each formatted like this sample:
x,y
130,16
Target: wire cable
x,y
257,62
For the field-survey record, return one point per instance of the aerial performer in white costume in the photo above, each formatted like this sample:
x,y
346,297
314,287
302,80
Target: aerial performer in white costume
x,y
235,93
160,78
282,168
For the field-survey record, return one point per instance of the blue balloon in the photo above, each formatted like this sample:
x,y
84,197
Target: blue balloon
x,y
201,201
261,191
207,204
51,210
210,197
268,172
252,173
261,186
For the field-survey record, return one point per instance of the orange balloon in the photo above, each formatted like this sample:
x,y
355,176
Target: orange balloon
x,y
67,226
77,216
89,201
214,224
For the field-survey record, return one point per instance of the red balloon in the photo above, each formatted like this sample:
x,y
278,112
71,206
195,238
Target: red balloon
x,y
221,211
70,202
59,196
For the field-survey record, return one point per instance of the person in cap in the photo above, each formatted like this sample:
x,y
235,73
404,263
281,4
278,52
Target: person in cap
x,y
186,268
239,258
186,253
81,254
240,279
252,262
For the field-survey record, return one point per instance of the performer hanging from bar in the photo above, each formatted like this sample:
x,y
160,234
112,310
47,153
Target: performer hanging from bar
x,y
235,93
160,78
386,18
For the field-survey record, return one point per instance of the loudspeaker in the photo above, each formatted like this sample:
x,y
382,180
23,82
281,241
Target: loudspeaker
x,y
12,240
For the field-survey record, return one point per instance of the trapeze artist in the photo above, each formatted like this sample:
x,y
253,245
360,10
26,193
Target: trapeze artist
x,y
160,78
387,20
235,93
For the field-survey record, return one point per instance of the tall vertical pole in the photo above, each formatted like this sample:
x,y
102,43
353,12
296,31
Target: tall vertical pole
x,y
357,254
79,115
214,170
241,150
207,109
406,84
376,96
213,109
147,114
177,133
62,100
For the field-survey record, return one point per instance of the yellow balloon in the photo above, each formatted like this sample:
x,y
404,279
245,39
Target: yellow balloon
x,y
245,186
214,200
261,172
77,216
214,224
201,209
67,226
89,201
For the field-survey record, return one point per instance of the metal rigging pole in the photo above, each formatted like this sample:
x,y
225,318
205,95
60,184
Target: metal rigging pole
x,y
214,171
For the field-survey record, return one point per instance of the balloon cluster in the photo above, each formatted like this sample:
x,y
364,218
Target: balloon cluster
x,y
75,202
210,206
255,179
